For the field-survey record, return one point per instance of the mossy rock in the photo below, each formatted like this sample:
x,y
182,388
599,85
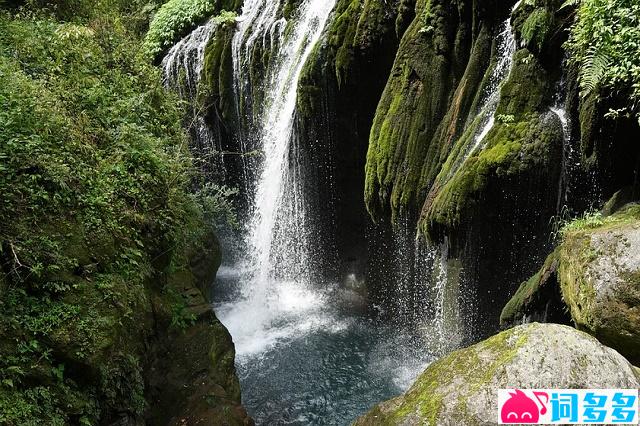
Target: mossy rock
x,y
461,388
218,96
600,278
620,199
434,84
537,299
514,152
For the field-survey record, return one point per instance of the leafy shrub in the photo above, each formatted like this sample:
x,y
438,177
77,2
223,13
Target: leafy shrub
x,y
604,43
225,18
174,19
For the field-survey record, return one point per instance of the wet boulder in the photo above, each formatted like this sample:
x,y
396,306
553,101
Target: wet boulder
x,y
461,388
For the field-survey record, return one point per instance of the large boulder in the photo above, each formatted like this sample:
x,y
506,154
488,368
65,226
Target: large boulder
x,y
461,388
600,278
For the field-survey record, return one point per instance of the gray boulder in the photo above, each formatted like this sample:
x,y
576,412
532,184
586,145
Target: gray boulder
x,y
461,388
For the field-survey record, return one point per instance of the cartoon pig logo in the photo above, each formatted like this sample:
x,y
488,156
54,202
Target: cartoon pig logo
x,y
519,408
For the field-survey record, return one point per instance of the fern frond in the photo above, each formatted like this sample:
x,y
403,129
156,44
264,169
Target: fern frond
x,y
569,3
593,70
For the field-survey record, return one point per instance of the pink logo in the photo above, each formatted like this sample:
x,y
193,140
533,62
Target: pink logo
x,y
519,408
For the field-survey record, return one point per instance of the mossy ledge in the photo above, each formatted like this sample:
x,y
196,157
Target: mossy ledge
x,y
433,85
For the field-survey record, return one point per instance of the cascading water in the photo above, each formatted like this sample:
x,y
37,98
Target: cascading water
x,y
506,49
567,158
276,269
306,354
446,324
421,275
182,71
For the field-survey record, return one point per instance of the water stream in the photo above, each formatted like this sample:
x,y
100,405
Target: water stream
x,y
306,351
506,47
182,71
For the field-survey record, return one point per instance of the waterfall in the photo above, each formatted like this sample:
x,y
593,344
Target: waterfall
x,y
276,269
567,158
411,268
491,98
258,27
447,318
506,49
275,229
182,71
187,56
426,290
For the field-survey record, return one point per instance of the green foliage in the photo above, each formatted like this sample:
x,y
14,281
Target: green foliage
x,y
122,384
589,220
505,118
217,205
569,3
94,172
225,18
173,20
181,318
596,219
604,43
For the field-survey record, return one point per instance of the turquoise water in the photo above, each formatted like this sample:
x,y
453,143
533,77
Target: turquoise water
x,y
315,357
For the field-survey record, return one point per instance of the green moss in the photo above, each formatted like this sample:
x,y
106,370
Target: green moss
x,y
537,27
611,319
361,32
520,145
467,370
511,150
434,88
216,92
597,220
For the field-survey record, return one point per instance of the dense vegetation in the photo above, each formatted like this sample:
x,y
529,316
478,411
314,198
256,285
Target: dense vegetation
x,y
177,17
604,43
174,19
94,178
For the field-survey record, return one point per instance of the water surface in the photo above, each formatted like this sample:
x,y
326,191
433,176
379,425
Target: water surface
x,y
314,357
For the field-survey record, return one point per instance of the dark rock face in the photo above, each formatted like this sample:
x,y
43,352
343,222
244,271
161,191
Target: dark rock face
x,y
493,205
192,376
338,93
537,300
